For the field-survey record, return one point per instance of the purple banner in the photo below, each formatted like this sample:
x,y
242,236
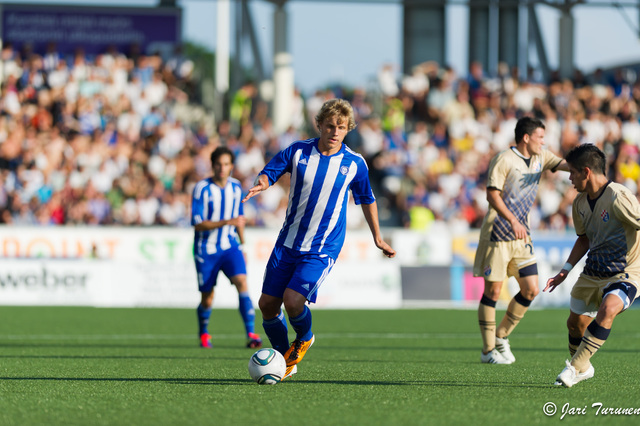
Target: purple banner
x,y
91,28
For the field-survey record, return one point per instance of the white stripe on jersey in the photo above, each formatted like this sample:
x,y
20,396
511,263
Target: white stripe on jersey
x,y
353,169
309,175
216,199
199,187
323,201
294,178
228,210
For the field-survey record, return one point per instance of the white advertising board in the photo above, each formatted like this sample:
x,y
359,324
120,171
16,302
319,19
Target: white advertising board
x,y
127,267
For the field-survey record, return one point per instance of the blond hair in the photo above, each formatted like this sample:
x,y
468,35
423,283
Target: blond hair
x,y
339,108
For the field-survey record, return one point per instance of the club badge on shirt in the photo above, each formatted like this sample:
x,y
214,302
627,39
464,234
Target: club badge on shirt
x,y
536,166
605,216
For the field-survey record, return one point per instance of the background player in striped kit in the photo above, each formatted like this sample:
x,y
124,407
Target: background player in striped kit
x,y
323,170
606,216
217,215
505,248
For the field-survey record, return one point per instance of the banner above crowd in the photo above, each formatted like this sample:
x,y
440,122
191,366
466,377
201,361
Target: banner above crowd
x,y
92,29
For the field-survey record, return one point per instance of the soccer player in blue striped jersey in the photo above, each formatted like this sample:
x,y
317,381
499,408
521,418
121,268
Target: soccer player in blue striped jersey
x,y
606,216
323,170
217,215
505,248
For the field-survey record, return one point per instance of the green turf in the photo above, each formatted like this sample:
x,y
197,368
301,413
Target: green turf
x,y
86,366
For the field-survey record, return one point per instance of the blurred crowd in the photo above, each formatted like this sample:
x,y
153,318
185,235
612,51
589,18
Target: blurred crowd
x,y
122,140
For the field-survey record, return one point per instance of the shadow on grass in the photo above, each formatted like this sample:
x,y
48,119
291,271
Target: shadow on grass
x,y
203,358
290,382
561,348
100,345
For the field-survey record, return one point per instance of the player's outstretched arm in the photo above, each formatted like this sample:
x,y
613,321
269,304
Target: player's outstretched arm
x,y
564,166
262,183
554,282
580,248
371,215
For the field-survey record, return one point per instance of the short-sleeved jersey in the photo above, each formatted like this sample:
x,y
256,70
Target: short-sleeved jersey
x,y
213,203
316,215
611,224
518,182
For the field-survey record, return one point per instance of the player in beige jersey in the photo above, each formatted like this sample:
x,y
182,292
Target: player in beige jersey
x,y
505,248
607,219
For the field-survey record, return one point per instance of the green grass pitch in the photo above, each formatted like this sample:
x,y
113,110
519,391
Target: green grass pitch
x,y
91,366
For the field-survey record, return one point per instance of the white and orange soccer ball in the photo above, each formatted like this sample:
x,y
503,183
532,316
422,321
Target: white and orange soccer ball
x,y
267,366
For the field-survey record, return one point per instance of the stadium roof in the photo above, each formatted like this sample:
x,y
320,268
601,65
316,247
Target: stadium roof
x,y
553,3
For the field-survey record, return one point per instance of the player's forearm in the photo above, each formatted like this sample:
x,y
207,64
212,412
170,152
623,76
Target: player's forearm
x,y
371,216
563,166
208,225
580,248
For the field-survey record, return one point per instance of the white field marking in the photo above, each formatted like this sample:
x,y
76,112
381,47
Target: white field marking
x,y
389,336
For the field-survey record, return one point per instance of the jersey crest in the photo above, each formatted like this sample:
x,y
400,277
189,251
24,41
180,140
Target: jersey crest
x,y
537,167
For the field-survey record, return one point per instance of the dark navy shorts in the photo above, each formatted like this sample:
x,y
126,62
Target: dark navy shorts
x,y
300,271
230,262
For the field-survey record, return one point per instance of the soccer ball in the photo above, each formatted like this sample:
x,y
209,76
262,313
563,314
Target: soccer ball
x,y
267,366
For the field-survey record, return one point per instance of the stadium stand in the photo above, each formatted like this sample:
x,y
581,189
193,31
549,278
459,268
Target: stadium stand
x,y
122,140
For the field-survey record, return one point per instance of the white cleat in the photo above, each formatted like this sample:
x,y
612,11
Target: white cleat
x,y
503,346
290,371
570,376
493,357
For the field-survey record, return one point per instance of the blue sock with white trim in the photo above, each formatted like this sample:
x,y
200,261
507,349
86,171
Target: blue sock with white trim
x,y
203,319
302,324
277,332
245,306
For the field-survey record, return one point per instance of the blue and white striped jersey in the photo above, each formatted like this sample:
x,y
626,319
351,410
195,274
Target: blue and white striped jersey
x,y
213,203
316,214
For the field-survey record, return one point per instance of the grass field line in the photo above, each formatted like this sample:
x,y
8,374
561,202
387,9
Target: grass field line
x,y
389,336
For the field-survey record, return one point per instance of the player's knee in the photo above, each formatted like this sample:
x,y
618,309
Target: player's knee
x,y
241,286
492,291
206,300
530,293
610,310
573,327
293,308
268,308
294,305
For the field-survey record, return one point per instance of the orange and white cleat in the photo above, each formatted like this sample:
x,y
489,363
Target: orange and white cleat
x,y
290,371
297,351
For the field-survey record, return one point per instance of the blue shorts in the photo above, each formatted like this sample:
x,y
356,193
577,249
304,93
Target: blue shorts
x,y
301,272
230,261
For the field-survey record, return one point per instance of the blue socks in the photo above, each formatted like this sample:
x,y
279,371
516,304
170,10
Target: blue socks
x,y
245,306
203,319
302,325
246,311
276,331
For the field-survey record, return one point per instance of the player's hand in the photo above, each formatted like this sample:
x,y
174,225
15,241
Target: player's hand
x,y
238,222
519,230
386,249
262,183
554,282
